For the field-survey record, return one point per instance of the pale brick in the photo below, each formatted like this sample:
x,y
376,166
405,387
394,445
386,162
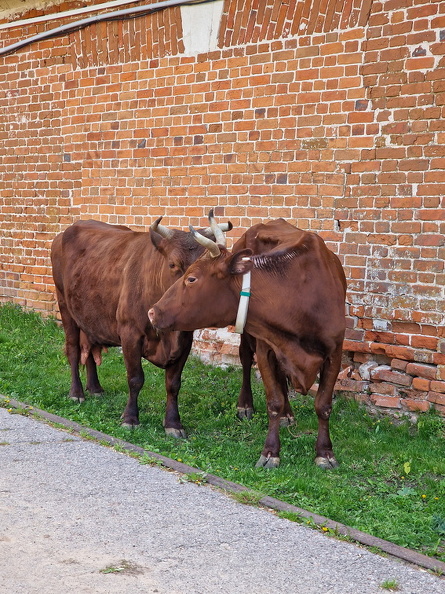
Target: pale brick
x,y
386,374
350,385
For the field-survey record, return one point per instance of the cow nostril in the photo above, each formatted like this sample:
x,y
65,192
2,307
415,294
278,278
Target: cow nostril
x,y
151,314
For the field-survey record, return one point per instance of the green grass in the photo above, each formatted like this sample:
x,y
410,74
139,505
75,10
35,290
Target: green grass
x,y
391,479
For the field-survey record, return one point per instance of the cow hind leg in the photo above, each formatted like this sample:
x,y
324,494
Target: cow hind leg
x,y
72,350
275,385
323,406
245,409
93,385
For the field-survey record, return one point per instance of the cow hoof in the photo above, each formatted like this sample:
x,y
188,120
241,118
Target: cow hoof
x,y
326,463
268,462
244,413
98,392
78,399
287,421
130,425
176,433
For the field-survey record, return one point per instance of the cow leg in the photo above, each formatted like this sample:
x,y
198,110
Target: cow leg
x,y
132,351
287,418
245,407
275,385
323,406
173,373
93,385
72,349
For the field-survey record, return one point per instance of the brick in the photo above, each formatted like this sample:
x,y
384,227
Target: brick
x,y
415,405
438,386
425,371
386,374
436,398
399,364
386,401
384,389
421,384
350,385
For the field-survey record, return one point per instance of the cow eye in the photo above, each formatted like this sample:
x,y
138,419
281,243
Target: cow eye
x,y
190,279
172,265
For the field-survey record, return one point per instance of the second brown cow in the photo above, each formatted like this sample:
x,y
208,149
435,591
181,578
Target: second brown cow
x,y
295,318
106,277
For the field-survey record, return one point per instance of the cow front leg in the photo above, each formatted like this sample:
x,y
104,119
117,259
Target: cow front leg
x,y
245,407
275,385
324,455
173,374
132,352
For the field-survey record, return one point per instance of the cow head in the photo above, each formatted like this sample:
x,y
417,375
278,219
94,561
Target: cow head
x,y
208,293
179,248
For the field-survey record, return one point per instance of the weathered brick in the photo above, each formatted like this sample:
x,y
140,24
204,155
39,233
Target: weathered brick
x,y
386,374
385,401
399,364
421,384
436,398
350,385
415,405
425,371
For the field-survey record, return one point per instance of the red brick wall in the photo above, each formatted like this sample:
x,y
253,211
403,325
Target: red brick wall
x,y
329,114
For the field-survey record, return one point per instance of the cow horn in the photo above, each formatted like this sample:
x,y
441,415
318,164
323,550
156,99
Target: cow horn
x,y
208,243
164,231
223,226
217,231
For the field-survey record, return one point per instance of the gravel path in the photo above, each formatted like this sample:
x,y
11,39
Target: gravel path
x,y
77,517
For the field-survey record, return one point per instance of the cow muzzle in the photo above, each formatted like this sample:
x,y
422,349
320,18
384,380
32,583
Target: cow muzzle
x,y
155,318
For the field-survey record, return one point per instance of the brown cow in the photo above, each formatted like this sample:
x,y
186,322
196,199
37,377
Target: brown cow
x,y
106,277
296,316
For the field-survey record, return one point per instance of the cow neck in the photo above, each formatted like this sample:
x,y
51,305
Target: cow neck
x,y
243,304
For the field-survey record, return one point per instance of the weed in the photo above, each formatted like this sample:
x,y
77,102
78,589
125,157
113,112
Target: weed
x,y
438,524
150,460
248,497
125,567
391,585
291,516
199,478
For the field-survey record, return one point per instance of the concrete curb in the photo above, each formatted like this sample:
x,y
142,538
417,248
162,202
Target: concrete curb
x,y
363,538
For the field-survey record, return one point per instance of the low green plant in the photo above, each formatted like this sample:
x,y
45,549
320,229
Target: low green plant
x,y
391,478
199,478
248,497
391,585
123,566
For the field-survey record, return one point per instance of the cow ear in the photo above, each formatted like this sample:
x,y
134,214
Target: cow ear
x,y
241,262
157,240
